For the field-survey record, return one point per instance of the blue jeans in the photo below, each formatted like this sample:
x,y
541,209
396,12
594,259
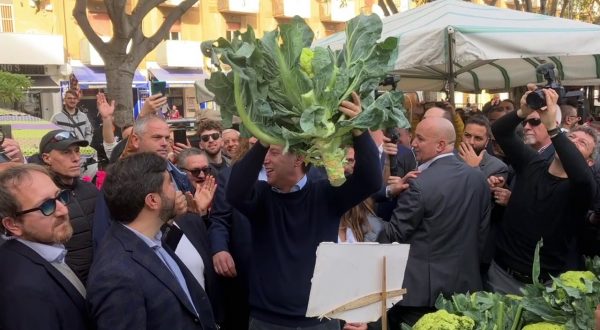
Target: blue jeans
x,y
261,325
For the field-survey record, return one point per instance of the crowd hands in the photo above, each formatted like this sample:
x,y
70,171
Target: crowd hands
x,y
201,173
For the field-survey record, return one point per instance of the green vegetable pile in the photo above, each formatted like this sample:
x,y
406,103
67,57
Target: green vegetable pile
x,y
442,320
568,304
288,94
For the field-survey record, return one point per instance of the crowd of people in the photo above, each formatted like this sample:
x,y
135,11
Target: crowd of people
x,y
221,232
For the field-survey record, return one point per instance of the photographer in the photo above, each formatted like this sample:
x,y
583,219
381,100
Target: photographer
x,y
549,200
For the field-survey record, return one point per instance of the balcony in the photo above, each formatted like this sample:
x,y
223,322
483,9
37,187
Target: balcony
x,y
32,49
290,8
238,6
175,3
88,55
179,53
333,12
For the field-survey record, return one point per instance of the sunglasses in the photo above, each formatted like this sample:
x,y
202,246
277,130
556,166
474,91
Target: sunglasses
x,y
197,171
48,207
61,136
533,122
206,138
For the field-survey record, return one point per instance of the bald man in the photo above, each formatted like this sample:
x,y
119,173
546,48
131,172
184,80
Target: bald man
x,y
444,216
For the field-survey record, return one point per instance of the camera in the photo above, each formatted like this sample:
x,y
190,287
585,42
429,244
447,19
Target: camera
x,y
536,99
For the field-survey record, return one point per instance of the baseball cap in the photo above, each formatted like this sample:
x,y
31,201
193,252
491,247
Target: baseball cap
x,y
60,140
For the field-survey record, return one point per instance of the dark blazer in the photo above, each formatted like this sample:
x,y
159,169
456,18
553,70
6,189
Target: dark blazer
x,y
35,295
444,216
129,287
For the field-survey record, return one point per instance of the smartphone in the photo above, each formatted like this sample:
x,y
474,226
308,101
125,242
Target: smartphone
x,y
5,131
180,136
4,158
158,87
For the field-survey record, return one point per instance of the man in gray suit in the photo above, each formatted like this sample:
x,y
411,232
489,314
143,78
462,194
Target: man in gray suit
x,y
444,216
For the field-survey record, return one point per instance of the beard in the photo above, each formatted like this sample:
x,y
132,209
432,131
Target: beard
x,y
167,212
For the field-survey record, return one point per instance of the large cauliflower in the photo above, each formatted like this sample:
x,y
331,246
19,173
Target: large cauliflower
x,y
442,320
575,279
544,326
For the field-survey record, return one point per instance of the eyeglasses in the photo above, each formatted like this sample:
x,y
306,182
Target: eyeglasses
x,y
48,207
533,122
61,136
206,138
196,171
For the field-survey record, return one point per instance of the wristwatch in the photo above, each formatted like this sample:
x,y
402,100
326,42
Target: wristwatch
x,y
553,132
388,192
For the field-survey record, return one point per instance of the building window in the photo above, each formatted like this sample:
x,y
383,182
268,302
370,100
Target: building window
x,y
7,20
174,35
231,28
175,31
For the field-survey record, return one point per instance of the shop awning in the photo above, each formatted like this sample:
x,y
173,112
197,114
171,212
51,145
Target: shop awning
x,y
178,77
44,83
95,77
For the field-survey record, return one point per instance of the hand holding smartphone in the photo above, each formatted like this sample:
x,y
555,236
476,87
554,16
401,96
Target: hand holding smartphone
x,y
157,87
179,136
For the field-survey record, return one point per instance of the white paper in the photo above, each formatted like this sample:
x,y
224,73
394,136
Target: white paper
x,y
346,272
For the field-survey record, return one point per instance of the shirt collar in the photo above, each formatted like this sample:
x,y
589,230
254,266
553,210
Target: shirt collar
x,y
151,242
298,186
50,253
428,163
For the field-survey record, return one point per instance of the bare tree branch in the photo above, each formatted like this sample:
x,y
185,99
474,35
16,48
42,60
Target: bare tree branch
x,y
80,15
175,14
118,17
142,9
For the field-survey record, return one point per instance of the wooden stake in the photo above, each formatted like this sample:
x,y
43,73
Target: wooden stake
x,y
384,295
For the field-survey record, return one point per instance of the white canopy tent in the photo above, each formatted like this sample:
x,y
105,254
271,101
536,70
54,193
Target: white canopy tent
x,y
457,45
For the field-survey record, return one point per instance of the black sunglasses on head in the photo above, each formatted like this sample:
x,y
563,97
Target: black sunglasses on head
x,y
61,136
197,171
533,122
206,138
48,207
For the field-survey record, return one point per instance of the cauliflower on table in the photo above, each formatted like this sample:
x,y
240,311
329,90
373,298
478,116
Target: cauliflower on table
x,y
442,320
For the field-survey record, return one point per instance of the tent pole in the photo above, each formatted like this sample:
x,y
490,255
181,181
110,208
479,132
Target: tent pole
x,y
450,63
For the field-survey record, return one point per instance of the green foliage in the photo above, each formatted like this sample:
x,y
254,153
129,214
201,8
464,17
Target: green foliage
x,y
13,86
442,320
568,304
490,311
289,95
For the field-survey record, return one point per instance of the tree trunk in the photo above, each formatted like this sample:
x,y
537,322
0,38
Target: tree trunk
x,y
554,8
563,10
119,78
543,7
518,5
528,6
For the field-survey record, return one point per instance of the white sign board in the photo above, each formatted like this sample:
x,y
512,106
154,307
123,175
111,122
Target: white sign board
x,y
345,273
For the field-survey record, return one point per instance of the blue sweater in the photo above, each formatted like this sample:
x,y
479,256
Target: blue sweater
x,y
287,228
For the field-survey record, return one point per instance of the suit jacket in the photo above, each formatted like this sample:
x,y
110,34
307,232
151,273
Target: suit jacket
x,y
490,165
129,287
35,295
444,216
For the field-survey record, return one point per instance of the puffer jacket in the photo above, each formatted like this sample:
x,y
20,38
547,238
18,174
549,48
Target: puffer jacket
x,y
81,212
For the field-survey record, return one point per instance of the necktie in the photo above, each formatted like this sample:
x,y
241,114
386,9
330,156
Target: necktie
x,y
174,269
64,269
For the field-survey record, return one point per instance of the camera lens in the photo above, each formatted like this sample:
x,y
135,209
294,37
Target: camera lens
x,y
536,99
